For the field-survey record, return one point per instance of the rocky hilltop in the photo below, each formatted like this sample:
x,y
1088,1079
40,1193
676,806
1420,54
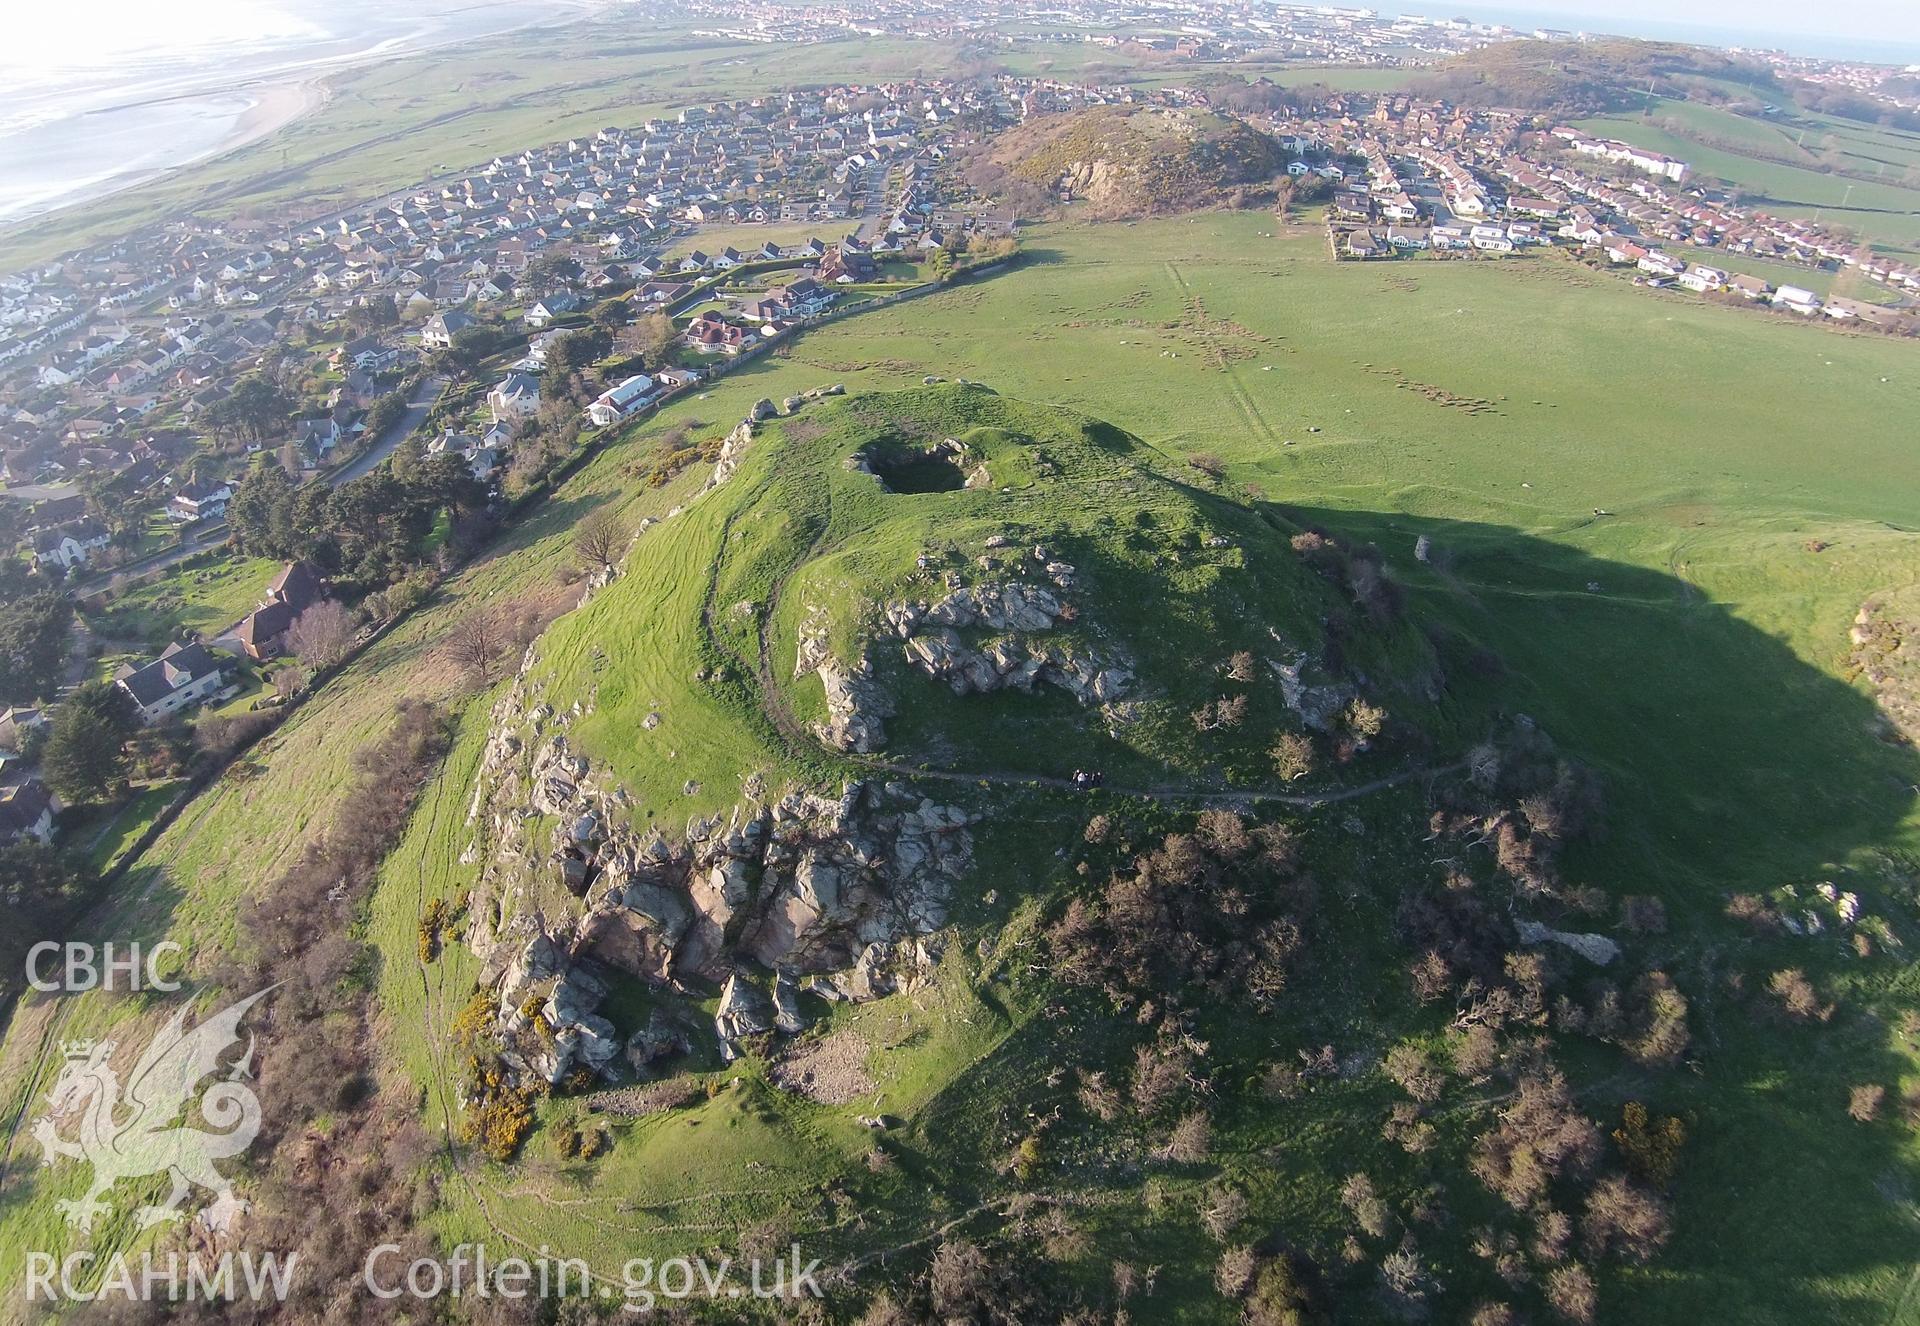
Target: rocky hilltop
x,y
840,894
1139,160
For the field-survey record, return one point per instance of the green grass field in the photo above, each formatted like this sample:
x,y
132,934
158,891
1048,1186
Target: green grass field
x,y
204,599
1627,491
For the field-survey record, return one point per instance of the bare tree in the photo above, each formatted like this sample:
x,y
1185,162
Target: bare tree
x,y
1863,1103
1191,1140
319,636
648,338
600,538
474,642
288,680
1293,756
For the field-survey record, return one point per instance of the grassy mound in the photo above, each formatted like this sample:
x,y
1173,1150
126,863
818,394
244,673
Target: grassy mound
x,y
1205,606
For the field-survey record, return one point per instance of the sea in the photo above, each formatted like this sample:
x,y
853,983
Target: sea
x,y
1865,41
99,94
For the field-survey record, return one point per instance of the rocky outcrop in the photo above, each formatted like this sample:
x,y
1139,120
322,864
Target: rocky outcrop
x,y
1318,706
857,704
744,1011
1013,660
1597,949
833,891
732,451
857,707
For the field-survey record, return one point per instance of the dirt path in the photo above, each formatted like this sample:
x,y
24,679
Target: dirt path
x,y
1167,795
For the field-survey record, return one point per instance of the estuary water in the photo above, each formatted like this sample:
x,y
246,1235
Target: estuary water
x,y
96,95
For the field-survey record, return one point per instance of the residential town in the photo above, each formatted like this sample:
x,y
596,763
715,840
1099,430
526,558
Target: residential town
x,y
119,366
1423,177
142,382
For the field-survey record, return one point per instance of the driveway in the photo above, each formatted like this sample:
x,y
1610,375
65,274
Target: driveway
x,y
364,464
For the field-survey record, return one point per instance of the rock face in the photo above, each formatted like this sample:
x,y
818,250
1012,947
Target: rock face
x,y
832,890
1011,661
857,705
1597,949
1318,706
732,451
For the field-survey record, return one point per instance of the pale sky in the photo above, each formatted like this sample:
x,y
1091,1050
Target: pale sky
x,y
101,32
1897,20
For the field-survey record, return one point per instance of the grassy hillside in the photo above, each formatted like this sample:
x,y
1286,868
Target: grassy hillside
x,y
1664,571
1583,76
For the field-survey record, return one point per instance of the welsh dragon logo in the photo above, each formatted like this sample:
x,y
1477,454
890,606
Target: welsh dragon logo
x,y
135,1131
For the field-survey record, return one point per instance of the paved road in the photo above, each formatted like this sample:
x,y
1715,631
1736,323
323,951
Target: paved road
x,y
423,398
198,541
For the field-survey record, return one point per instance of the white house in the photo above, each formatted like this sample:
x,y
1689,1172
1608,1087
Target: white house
x,y
441,328
516,396
621,401
1798,300
182,677
69,547
543,313
200,501
26,811
1703,279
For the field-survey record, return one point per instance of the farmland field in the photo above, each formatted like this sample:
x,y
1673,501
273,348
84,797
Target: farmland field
x,y
1884,209
1661,514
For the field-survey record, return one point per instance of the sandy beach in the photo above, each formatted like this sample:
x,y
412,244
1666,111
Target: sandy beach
x,y
70,137
155,139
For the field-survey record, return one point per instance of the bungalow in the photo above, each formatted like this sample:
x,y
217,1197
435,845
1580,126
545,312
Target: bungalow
x,y
69,547
1750,286
26,811
1535,207
1800,301
621,401
1841,309
517,396
1449,235
1362,244
1702,279
842,266
1399,207
1490,239
695,262
200,501
182,677
1409,237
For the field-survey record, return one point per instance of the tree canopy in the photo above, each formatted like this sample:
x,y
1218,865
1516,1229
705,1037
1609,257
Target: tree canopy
x,y
257,409
84,761
33,645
